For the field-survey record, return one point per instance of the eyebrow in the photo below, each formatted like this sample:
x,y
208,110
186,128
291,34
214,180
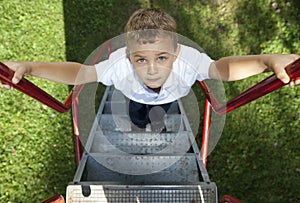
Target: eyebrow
x,y
137,54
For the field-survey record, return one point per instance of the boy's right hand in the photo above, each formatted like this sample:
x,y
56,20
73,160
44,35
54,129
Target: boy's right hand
x,y
20,69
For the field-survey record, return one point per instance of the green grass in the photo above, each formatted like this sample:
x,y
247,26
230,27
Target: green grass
x,y
36,158
257,158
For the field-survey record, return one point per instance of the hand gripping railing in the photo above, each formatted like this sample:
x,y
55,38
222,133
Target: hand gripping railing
x,y
33,91
264,87
40,95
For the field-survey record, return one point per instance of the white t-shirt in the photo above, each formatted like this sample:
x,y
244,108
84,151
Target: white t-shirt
x,y
190,65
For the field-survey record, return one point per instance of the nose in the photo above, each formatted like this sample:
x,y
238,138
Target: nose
x,y
152,69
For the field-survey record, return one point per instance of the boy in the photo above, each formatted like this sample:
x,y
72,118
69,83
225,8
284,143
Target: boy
x,y
153,70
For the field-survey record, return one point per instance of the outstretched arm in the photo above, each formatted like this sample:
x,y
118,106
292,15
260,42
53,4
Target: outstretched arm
x,y
62,72
239,67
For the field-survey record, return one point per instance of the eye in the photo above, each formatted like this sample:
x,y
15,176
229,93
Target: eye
x,y
162,58
141,60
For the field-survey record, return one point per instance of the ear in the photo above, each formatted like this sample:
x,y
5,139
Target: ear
x,y
177,51
128,54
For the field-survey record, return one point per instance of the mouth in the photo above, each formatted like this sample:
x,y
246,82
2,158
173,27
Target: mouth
x,y
153,80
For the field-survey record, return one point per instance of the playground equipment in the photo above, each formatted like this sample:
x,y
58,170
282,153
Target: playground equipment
x,y
150,171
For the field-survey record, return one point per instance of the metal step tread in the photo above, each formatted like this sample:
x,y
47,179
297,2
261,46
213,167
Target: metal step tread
x,y
141,168
142,143
120,122
202,193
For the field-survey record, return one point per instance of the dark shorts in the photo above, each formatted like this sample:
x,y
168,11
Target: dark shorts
x,y
142,114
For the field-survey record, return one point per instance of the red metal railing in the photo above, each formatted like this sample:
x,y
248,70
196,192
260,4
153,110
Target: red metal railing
x,y
230,199
264,87
40,95
33,91
55,199
75,102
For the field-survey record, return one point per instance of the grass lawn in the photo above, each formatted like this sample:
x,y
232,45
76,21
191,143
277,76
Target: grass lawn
x,y
257,158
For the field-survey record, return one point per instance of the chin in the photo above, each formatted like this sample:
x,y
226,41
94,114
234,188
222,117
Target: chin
x,y
156,84
153,85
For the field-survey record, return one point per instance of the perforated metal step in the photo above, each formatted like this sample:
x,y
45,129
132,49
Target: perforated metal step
x,y
121,122
201,193
140,169
141,143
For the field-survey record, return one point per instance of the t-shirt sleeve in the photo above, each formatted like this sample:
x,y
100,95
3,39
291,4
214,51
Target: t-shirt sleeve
x,y
203,66
106,70
198,62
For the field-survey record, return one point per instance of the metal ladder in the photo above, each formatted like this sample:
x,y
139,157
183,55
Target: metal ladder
x,y
123,166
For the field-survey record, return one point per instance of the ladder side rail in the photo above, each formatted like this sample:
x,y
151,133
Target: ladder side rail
x,y
205,131
75,110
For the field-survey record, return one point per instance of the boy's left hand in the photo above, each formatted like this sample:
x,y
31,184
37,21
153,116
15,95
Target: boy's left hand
x,y
278,63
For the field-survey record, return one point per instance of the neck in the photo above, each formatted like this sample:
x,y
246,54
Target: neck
x,y
157,89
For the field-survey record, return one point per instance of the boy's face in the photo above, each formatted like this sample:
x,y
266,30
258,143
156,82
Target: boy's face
x,y
153,61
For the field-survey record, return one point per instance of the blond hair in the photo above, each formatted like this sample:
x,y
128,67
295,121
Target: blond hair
x,y
146,24
150,18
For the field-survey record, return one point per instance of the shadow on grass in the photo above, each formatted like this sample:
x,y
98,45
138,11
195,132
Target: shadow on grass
x,y
90,23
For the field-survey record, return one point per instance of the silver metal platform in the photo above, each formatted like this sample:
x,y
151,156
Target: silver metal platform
x,y
119,165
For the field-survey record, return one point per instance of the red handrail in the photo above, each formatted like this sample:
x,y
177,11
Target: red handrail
x,y
40,95
266,86
205,131
230,199
75,112
33,91
55,199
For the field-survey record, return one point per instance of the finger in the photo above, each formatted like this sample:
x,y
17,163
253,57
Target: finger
x,y
282,75
19,74
294,82
7,87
